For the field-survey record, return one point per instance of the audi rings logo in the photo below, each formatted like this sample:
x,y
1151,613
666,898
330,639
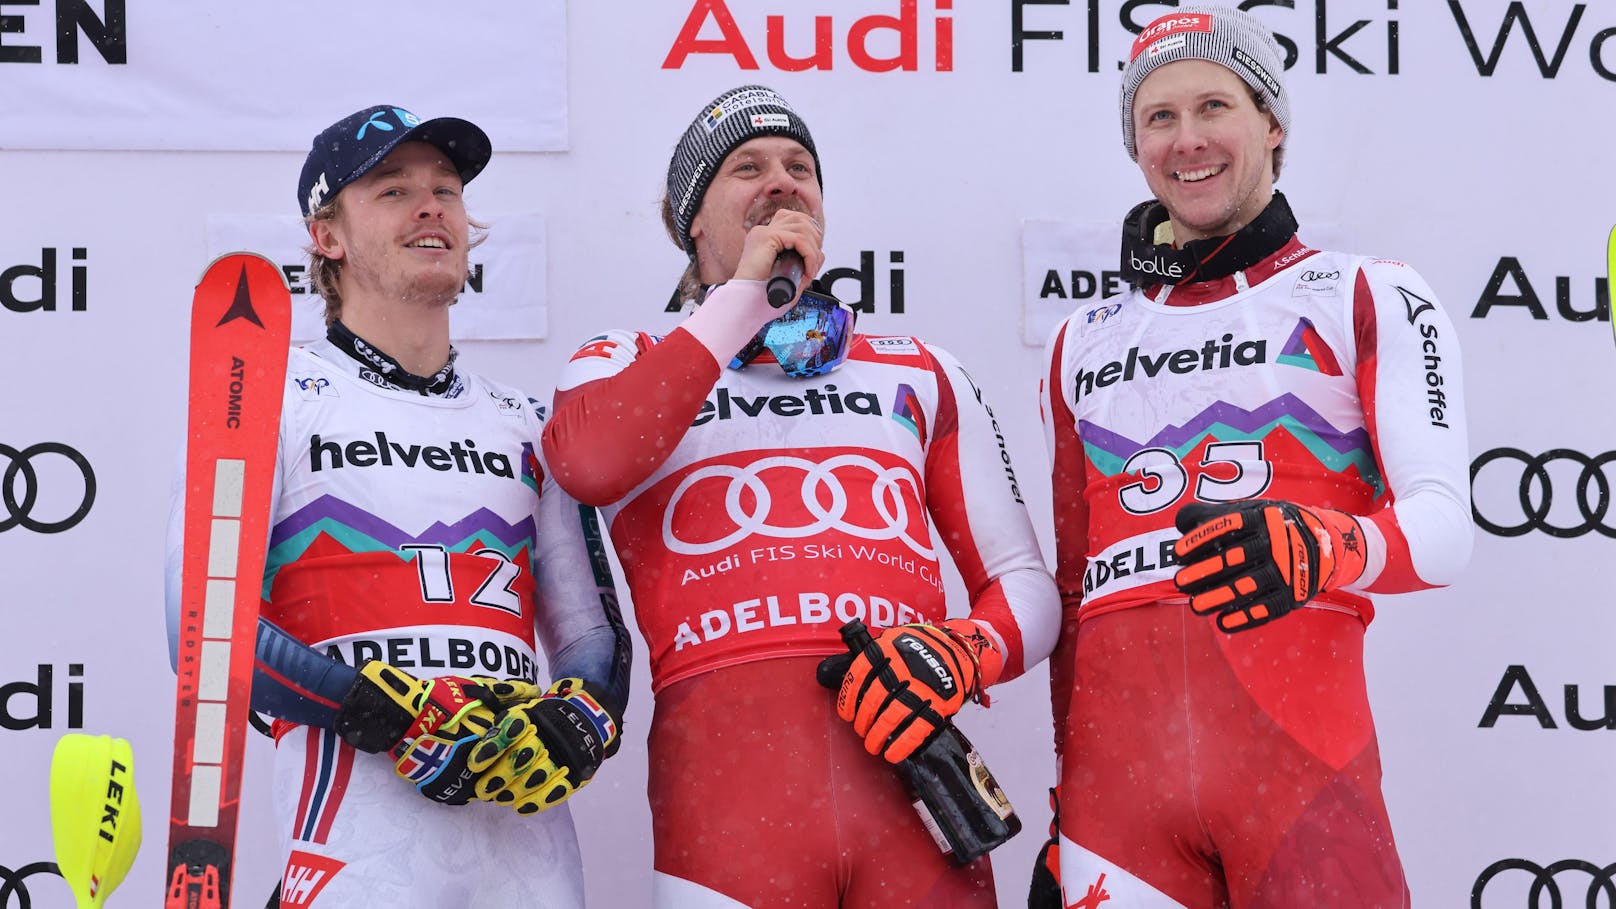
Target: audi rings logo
x,y
820,493
20,483
1520,495
11,884
1583,883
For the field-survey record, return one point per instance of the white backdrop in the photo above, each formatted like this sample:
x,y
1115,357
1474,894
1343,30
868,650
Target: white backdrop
x,y
1471,139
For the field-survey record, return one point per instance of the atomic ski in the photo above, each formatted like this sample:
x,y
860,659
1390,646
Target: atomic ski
x,y
240,330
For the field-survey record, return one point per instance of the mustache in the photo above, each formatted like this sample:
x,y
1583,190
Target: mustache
x,y
766,209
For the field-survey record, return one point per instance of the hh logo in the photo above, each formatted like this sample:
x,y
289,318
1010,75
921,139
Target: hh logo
x,y
1093,897
596,347
306,875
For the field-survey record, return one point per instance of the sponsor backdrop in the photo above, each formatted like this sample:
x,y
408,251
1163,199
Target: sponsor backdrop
x,y
974,176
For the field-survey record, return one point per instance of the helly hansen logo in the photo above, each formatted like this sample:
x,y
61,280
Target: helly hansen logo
x,y
461,456
306,875
1214,354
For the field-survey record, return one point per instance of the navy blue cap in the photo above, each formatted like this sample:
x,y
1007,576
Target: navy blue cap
x,y
349,148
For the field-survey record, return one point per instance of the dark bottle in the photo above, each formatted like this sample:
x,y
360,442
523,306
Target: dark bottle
x,y
957,798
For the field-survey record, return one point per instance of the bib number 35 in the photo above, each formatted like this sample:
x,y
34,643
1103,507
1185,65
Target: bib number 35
x,y
1230,471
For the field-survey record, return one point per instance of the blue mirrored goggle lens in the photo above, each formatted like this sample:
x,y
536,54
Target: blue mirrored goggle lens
x,y
810,340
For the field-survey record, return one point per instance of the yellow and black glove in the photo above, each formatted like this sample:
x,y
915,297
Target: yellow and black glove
x,y
543,749
903,686
428,726
1252,562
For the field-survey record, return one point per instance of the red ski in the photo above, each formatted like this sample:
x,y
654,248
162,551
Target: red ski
x,y
241,320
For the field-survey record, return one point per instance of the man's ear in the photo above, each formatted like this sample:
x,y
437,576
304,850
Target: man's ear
x,y
327,239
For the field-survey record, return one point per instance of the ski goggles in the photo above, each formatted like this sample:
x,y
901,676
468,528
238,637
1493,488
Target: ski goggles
x,y
810,339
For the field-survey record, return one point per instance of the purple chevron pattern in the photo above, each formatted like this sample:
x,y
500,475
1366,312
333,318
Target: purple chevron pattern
x,y
1247,422
344,514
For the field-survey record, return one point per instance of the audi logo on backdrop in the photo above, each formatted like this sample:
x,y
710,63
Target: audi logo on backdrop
x,y
35,475
1567,883
1561,492
11,883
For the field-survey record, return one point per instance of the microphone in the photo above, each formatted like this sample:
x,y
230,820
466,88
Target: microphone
x,y
784,278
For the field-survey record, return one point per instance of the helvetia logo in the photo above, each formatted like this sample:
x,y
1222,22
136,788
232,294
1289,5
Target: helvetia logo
x,y
461,456
814,401
1214,354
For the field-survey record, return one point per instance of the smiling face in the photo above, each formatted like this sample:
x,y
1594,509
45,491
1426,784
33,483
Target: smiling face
x,y
1205,147
757,179
402,233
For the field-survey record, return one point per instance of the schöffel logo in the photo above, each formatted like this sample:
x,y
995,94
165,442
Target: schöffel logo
x,y
726,406
461,456
1211,355
1436,395
1517,883
1519,495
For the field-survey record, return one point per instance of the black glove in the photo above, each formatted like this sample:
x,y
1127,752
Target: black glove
x,y
902,685
544,749
1252,562
1045,892
428,726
